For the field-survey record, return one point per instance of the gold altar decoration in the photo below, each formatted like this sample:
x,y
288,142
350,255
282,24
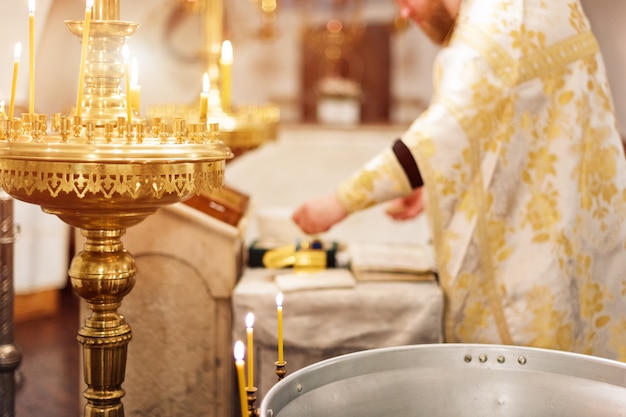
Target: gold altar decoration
x,y
343,27
102,173
242,128
269,15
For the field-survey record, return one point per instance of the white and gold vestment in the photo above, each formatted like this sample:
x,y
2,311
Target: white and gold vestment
x,y
525,180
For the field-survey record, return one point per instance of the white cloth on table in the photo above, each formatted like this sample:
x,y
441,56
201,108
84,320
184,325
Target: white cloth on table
x,y
318,324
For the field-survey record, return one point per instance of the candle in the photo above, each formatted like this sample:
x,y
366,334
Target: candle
x,y
31,19
16,66
204,97
226,76
250,333
215,105
239,364
83,57
129,106
135,88
279,312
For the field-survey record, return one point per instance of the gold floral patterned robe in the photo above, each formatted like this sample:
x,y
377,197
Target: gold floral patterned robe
x,y
525,180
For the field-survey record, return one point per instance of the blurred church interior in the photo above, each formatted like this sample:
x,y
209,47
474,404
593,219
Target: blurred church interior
x,y
344,79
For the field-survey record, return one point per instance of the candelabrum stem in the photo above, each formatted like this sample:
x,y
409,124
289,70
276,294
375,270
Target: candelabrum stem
x,y
102,274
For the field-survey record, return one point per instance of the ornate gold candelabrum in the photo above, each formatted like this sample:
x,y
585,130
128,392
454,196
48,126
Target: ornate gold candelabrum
x,y
102,173
242,128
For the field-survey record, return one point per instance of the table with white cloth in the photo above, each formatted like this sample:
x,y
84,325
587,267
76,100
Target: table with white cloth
x,y
319,323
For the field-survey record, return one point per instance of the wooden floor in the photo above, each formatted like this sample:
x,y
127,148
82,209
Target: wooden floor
x,y
48,376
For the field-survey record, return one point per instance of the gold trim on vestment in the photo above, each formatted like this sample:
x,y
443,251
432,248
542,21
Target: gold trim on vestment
x,y
514,72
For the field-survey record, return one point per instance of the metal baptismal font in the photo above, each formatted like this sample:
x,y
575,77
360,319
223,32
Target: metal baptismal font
x,y
102,169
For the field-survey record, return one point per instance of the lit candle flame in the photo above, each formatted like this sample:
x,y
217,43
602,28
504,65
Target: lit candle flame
x,y
90,4
31,6
125,54
227,52
249,320
206,83
134,72
239,350
279,299
17,51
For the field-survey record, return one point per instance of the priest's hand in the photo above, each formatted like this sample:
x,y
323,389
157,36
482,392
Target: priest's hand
x,y
319,214
407,207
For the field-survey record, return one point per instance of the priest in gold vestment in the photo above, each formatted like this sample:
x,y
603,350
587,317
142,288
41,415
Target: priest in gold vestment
x,y
520,168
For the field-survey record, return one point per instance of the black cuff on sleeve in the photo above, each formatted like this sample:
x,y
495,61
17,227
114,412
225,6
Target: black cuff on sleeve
x,y
408,163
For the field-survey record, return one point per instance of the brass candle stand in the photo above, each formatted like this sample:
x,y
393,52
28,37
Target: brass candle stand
x,y
101,173
251,392
252,410
281,370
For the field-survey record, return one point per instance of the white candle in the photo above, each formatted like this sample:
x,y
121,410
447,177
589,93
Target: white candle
x,y
31,19
83,57
240,364
226,76
135,88
279,313
204,97
16,65
250,334
129,106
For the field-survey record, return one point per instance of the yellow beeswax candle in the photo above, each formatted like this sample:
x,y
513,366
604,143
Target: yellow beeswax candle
x,y
31,21
204,97
240,364
250,334
16,66
129,106
226,75
83,57
279,313
135,88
